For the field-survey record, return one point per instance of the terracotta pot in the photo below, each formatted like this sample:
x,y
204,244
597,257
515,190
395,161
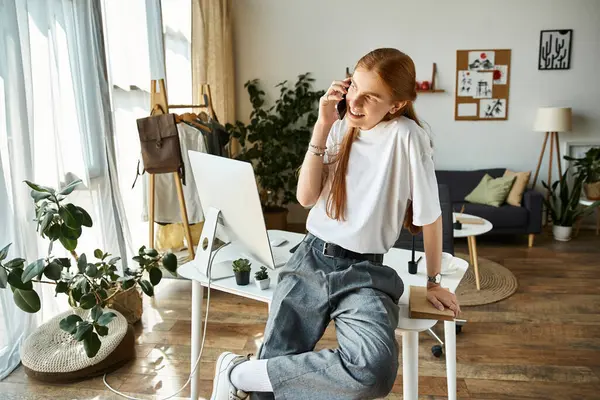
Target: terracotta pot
x,y
276,218
592,190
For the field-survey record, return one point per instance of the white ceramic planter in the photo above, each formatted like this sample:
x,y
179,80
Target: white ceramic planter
x,y
562,233
264,284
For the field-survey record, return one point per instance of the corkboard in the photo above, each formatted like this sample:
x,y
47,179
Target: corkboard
x,y
494,107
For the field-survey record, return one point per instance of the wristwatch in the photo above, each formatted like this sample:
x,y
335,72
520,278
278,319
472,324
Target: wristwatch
x,y
437,279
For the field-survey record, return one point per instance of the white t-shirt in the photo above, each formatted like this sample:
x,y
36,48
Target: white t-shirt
x,y
389,165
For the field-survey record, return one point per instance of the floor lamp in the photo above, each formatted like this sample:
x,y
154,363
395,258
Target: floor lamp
x,y
551,120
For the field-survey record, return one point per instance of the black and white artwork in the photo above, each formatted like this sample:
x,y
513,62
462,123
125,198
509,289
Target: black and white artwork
x,y
481,60
465,83
483,83
492,108
555,49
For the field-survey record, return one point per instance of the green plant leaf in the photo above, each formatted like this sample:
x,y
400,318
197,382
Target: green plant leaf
x,y
53,270
82,263
96,312
127,283
86,220
70,187
91,344
102,330
98,254
105,319
62,287
4,251
114,260
140,260
87,301
169,261
151,253
14,279
38,188
48,218
155,276
91,271
68,244
82,330
3,278
103,294
68,218
27,300
34,269
38,196
147,287
142,251
14,263
71,234
69,323
76,213
53,232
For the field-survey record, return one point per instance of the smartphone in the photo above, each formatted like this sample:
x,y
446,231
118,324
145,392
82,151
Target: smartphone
x,y
341,107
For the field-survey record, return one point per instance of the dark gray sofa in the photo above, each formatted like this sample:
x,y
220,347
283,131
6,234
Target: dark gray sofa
x,y
506,219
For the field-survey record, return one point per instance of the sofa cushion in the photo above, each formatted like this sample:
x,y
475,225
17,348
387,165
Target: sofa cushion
x,y
516,192
490,191
461,183
505,216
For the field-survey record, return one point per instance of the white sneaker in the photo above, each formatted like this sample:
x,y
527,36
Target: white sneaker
x,y
223,389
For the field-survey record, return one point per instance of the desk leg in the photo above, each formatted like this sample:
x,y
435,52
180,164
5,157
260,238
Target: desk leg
x,y
475,261
197,293
410,365
450,349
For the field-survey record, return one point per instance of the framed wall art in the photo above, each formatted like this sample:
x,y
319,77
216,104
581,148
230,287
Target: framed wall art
x,y
482,83
555,49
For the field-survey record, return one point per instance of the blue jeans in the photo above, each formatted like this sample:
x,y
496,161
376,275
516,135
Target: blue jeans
x,y
361,297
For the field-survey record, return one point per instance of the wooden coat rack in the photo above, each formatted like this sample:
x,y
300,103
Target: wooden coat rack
x,y
159,102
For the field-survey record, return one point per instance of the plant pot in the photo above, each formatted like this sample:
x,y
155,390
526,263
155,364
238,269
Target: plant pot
x,y
276,218
562,233
592,190
242,278
129,303
263,284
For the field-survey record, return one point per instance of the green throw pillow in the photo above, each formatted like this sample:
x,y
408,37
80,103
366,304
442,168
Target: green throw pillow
x,y
490,191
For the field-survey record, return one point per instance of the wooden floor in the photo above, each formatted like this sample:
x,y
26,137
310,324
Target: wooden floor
x,y
541,343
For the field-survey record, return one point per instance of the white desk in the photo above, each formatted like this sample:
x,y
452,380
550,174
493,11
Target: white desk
x,y
396,258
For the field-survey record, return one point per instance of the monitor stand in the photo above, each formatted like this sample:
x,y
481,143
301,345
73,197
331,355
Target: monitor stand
x,y
219,270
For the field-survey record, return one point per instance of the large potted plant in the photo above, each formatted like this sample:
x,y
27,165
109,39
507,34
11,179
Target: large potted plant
x,y
588,168
563,205
275,141
90,284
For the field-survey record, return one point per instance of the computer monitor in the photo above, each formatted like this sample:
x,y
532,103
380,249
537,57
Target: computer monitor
x,y
229,186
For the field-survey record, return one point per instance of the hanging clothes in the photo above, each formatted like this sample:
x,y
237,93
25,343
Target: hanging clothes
x,y
167,209
217,138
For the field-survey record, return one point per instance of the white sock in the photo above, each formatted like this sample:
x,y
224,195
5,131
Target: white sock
x,y
251,376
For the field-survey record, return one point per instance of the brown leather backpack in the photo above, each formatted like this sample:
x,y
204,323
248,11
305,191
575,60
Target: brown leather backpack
x,y
159,142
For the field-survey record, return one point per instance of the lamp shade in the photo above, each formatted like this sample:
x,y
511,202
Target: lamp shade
x,y
553,119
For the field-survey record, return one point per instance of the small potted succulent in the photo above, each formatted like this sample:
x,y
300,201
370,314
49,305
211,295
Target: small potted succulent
x,y
241,269
262,279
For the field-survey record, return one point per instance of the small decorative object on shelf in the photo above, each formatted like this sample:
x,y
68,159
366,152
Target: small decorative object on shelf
x,y
241,268
262,279
429,86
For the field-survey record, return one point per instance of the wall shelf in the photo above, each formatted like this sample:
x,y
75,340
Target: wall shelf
x,y
431,91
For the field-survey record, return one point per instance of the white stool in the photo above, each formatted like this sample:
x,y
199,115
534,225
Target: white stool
x,y
410,329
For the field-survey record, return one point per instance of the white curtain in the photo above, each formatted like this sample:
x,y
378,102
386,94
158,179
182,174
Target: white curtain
x,y
55,127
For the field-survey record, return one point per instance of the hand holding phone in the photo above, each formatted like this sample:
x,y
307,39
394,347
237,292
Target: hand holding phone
x,y
330,108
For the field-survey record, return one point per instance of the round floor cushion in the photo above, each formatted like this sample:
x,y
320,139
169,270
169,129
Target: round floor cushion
x,y
52,355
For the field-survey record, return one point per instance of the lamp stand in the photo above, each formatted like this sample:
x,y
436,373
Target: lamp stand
x,y
553,143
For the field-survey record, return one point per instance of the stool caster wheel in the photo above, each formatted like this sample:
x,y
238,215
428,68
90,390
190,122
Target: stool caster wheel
x,y
437,351
458,329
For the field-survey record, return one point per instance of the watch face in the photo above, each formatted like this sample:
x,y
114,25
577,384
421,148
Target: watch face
x,y
435,279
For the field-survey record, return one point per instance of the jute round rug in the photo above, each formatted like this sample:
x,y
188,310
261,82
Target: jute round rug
x,y
497,283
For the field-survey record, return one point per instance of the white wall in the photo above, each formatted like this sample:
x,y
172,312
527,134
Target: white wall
x,y
277,40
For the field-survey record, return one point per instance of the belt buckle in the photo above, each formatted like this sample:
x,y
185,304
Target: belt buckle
x,y
325,249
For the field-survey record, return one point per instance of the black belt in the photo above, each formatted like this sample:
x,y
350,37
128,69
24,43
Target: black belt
x,y
333,250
